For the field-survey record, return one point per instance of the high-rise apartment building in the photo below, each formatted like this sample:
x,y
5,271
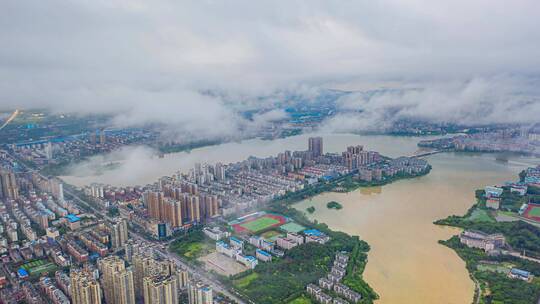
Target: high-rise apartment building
x,y
173,212
199,293
84,288
160,289
315,146
145,265
219,172
194,210
119,233
117,281
154,203
8,184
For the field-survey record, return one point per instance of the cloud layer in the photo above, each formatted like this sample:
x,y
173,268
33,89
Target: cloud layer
x,y
147,62
502,99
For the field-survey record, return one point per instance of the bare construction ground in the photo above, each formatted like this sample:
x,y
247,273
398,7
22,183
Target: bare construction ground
x,y
222,264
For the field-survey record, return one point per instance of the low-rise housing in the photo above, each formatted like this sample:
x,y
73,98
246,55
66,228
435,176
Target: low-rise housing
x,y
347,293
286,243
263,255
326,283
478,239
313,289
323,298
519,274
215,233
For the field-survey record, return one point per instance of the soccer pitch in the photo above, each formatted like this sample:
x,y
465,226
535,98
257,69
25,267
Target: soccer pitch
x,y
260,224
535,212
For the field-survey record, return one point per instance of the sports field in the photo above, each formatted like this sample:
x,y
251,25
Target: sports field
x,y
532,212
257,224
38,267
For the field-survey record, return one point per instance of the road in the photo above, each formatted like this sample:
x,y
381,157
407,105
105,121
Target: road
x,y
199,273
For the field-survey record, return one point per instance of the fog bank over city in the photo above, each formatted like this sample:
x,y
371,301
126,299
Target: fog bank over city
x,y
500,99
154,63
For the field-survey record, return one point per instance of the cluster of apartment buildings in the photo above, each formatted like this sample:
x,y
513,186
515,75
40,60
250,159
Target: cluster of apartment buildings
x,y
333,282
139,277
532,176
71,148
507,140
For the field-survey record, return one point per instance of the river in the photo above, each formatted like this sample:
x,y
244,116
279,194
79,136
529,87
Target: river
x,y
406,264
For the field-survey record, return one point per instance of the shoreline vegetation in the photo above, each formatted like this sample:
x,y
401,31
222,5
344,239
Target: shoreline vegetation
x,y
489,272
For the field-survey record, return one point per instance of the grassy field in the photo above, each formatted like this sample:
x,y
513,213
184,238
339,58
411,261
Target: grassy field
x,y
292,227
480,215
192,246
500,268
245,281
259,224
271,235
33,264
301,300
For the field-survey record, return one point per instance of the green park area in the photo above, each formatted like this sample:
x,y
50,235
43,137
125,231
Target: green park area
x,y
480,215
192,245
303,299
243,282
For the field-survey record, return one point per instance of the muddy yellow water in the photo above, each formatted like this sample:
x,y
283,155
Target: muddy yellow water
x,y
406,264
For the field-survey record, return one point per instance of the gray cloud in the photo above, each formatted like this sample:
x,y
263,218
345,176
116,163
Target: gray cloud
x,y
146,62
501,99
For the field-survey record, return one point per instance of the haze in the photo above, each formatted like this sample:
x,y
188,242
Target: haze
x,y
150,62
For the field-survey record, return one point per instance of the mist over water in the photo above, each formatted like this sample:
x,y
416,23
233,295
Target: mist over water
x,y
141,165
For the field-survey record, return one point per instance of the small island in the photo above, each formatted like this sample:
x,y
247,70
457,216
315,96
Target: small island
x,y
310,210
334,205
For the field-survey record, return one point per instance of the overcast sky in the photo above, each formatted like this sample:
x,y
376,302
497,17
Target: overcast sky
x,y
147,61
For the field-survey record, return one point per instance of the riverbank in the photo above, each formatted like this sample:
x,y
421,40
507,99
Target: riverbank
x,y
490,272
344,184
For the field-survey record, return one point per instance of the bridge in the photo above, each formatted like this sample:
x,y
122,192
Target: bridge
x,y
422,153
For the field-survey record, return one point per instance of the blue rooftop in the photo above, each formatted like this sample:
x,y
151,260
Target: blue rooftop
x,y
72,218
520,272
233,239
22,272
314,232
263,252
